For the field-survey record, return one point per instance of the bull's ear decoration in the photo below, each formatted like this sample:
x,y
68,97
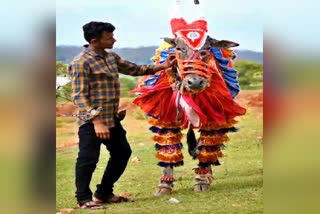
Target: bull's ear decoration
x,y
194,34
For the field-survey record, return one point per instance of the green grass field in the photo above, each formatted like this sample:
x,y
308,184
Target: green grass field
x,y
238,185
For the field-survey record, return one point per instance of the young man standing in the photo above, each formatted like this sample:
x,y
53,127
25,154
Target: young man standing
x,y
96,88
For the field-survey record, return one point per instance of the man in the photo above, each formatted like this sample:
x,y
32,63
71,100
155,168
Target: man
x,y
95,91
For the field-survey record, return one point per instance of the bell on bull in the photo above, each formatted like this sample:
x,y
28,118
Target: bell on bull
x,y
197,93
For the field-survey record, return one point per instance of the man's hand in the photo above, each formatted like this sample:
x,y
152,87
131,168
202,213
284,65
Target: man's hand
x,y
171,61
102,130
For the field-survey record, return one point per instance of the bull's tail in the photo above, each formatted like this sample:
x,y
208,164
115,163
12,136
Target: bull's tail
x,y
192,143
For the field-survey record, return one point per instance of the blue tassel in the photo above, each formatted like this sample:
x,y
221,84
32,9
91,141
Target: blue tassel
x,y
175,146
229,74
209,148
219,131
165,53
160,131
216,163
164,164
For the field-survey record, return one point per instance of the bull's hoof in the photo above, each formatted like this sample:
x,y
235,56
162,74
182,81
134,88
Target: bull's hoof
x,y
163,191
203,182
201,187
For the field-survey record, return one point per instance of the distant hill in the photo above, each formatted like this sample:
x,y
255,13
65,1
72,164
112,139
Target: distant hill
x,y
249,55
142,55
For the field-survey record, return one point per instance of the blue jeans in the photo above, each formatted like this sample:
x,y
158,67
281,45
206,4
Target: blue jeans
x,y
88,156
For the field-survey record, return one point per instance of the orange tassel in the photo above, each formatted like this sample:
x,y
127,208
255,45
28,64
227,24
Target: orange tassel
x,y
161,124
214,126
169,156
209,157
168,139
213,140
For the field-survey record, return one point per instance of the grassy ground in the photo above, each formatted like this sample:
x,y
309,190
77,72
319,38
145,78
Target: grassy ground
x,y
237,189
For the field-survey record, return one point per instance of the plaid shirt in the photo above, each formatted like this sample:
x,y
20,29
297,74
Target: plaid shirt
x,y
95,82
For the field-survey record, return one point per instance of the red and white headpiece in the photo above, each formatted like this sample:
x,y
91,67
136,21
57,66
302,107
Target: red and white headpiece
x,y
194,34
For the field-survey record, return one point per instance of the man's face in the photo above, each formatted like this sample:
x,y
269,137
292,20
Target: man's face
x,y
107,40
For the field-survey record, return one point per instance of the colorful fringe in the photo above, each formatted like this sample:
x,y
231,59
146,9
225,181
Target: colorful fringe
x,y
162,131
208,156
215,126
209,150
168,146
213,140
168,139
169,158
169,155
219,131
160,124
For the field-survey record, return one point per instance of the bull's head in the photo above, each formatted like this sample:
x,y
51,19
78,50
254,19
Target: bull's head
x,y
195,67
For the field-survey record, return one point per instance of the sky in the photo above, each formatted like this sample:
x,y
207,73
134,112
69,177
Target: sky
x,y
288,24
144,22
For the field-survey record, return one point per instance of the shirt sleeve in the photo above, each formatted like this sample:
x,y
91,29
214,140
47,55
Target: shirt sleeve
x,y
130,68
79,72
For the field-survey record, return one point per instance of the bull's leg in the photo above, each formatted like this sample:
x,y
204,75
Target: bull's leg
x,y
208,151
203,179
168,146
166,182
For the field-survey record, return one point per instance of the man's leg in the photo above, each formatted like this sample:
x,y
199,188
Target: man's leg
x,y
120,153
88,156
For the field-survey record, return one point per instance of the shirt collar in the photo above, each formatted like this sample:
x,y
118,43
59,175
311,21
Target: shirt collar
x,y
87,50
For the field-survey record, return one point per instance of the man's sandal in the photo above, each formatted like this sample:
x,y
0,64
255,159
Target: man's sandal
x,y
113,199
119,199
90,205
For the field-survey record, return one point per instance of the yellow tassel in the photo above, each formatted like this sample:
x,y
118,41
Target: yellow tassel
x,y
163,46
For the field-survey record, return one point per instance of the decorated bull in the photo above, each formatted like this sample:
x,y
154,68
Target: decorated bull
x,y
197,93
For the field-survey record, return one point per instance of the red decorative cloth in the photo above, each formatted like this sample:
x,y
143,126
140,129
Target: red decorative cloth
x,y
214,104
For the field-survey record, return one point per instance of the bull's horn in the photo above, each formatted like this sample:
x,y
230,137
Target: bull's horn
x,y
221,43
171,41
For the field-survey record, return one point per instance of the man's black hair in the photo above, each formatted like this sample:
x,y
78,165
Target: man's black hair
x,y
94,30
